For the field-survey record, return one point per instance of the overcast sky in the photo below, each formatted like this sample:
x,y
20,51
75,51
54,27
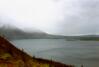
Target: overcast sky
x,y
66,17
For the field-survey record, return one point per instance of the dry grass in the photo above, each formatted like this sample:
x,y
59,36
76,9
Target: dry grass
x,y
10,56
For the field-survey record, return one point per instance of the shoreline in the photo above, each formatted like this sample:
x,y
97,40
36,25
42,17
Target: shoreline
x,y
27,59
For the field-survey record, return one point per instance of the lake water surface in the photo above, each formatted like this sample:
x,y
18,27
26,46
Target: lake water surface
x,y
68,52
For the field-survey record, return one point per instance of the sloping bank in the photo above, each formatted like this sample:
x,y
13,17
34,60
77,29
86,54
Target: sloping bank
x,y
10,56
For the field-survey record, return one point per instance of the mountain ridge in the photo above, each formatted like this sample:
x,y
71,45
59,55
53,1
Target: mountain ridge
x,y
16,33
11,33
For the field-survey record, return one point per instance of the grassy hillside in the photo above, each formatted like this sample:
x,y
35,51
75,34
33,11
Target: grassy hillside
x,y
10,56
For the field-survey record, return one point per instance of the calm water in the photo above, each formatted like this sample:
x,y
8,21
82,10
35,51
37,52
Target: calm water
x,y
69,52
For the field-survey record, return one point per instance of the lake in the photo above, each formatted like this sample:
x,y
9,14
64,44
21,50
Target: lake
x,y
68,52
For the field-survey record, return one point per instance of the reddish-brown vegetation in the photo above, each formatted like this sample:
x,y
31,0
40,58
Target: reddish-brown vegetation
x,y
10,56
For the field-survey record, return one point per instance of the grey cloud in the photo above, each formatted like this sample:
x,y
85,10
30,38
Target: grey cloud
x,y
82,19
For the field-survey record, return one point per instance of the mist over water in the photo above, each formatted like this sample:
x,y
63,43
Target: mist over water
x,y
64,17
21,18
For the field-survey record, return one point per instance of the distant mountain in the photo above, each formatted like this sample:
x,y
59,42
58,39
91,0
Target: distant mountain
x,y
11,32
83,37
